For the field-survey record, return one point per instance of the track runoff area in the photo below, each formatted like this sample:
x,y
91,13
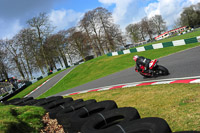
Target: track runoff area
x,y
195,79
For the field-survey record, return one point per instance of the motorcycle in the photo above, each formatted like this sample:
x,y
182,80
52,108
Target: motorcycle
x,y
154,70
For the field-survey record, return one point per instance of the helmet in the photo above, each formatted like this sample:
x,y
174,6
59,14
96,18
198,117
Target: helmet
x,y
135,57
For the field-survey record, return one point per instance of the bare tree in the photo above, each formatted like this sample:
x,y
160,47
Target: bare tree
x,y
147,25
133,31
159,24
3,66
43,28
79,42
93,30
25,41
84,25
57,42
12,49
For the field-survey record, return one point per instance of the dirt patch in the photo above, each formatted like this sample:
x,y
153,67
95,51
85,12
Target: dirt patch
x,y
51,125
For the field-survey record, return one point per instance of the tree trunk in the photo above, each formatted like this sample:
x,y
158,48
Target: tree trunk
x,y
60,61
90,41
40,67
69,57
53,63
63,58
25,69
19,67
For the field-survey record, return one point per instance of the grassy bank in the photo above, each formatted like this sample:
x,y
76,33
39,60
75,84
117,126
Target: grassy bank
x,y
104,66
26,119
178,104
34,85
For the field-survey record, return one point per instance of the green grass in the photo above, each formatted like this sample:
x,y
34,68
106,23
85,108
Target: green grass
x,y
17,119
178,104
104,66
34,85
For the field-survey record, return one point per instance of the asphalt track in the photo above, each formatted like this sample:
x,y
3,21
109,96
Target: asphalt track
x,y
50,83
181,64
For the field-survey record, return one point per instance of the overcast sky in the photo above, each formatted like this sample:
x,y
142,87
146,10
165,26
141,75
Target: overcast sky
x,y
66,13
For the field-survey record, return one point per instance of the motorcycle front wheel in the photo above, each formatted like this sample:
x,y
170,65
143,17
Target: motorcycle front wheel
x,y
161,70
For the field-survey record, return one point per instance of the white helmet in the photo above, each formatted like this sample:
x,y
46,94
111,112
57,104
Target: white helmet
x,y
135,57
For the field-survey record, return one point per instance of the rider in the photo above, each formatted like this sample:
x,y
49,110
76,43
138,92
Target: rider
x,y
142,61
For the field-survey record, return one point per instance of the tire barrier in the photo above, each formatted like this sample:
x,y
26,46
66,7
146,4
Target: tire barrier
x,y
80,116
31,102
144,125
11,101
57,103
22,101
101,122
69,108
48,100
96,117
60,108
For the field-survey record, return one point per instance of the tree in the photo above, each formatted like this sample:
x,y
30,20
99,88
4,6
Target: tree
x,y
25,41
190,16
147,25
159,24
93,30
104,19
11,48
3,65
57,43
84,25
78,41
43,28
133,31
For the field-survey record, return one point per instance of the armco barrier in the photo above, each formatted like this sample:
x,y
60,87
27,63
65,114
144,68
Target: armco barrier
x,y
157,46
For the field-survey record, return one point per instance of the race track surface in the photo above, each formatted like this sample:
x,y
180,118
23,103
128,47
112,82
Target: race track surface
x,y
182,64
50,83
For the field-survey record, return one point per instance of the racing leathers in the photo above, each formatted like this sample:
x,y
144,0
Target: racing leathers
x,y
142,61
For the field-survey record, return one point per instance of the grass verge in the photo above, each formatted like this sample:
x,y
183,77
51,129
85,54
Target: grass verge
x,y
15,119
178,104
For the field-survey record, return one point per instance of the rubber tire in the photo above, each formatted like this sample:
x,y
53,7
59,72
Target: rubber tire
x,y
61,114
145,125
48,100
71,108
162,68
11,101
62,107
29,102
101,123
57,103
79,117
22,101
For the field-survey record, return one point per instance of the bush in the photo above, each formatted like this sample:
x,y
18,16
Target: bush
x,y
39,78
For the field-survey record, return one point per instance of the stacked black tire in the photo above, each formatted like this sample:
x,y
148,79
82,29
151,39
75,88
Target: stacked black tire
x,y
91,116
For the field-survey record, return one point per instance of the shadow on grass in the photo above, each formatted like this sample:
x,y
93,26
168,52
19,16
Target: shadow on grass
x,y
20,126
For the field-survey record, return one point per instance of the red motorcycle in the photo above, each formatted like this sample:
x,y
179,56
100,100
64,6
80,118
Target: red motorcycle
x,y
154,70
